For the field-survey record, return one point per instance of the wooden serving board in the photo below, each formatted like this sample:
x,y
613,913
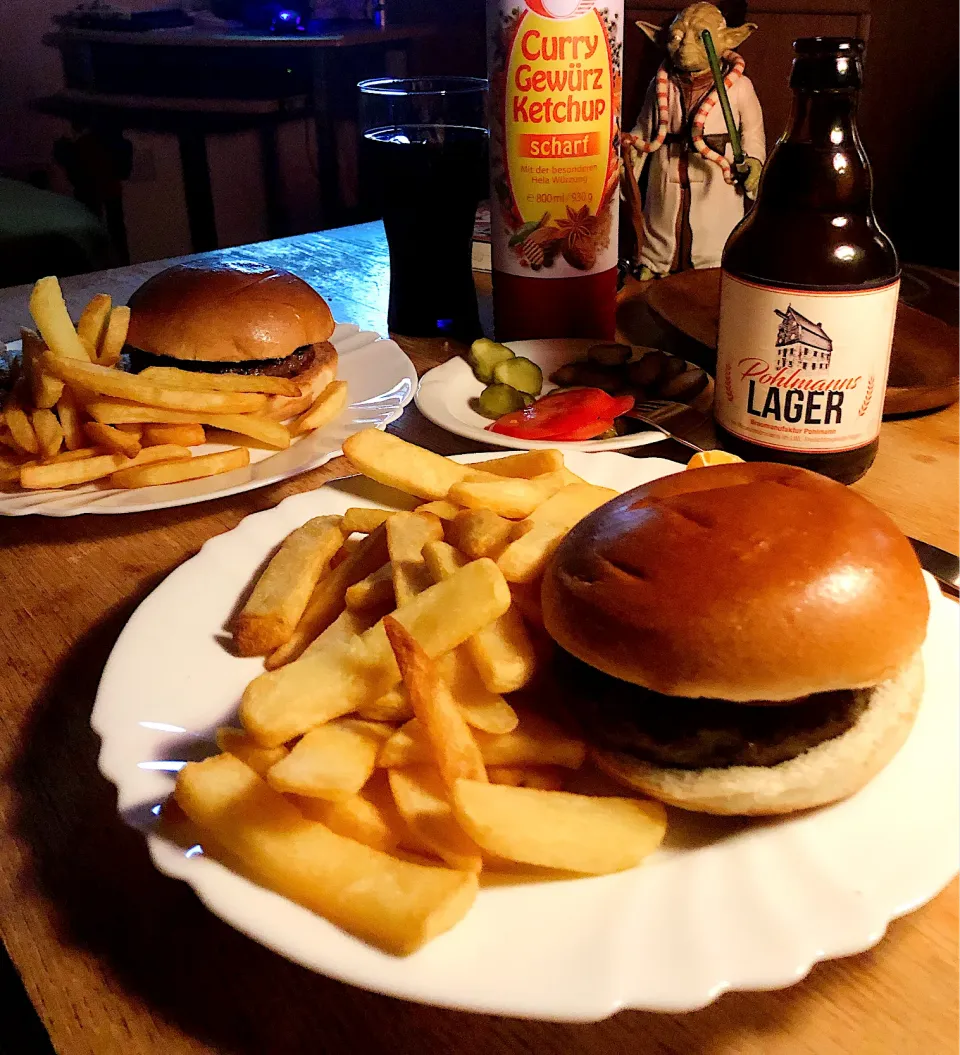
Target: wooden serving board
x,y
923,362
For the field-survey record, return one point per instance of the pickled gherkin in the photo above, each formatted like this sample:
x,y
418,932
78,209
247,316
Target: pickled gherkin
x,y
522,373
485,355
496,400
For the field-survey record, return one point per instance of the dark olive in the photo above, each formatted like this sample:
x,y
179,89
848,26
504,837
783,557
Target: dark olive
x,y
648,370
684,387
610,354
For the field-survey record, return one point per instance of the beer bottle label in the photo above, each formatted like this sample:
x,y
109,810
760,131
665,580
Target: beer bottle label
x,y
803,371
555,81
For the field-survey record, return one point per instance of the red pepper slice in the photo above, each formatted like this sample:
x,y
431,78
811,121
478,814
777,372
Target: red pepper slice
x,y
555,415
621,404
587,432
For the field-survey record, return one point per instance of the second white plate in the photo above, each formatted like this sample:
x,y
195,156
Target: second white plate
x,y
445,394
380,382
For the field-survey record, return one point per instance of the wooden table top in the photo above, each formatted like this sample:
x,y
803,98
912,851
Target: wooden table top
x,y
119,960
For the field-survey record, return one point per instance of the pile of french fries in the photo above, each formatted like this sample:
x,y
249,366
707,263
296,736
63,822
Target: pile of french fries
x,y
380,766
72,417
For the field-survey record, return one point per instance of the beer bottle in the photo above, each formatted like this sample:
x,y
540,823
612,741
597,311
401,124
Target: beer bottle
x,y
809,287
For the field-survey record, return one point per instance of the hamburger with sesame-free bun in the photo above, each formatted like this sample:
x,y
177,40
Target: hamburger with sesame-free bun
x,y
740,639
239,318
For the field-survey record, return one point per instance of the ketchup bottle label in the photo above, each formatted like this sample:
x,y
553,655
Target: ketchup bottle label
x,y
803,371
555,81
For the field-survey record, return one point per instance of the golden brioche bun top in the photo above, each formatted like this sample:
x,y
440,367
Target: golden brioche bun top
x,y
749,582
228,313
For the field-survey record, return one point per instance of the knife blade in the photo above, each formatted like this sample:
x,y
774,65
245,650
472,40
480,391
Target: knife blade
x,y
943,566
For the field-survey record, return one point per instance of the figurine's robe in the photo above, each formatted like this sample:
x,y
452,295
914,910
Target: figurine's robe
x,y
689,210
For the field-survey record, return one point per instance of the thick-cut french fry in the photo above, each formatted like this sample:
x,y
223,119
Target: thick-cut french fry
x,y
66,473
78,454
526,465
376,589
53,321
179,470
349,547
259,759
406,535
546,778
324,409
535,742
184,435
329,597
392,706
70,421
395,905
481,708
114,336
333,761
440,620
440,508
453,744
198,381
479,532
21,430
348,625
391,461
274,608
113,439
525,559
502,651
121,385
509,497
422,800
48,431
45,390
334,681
118,412
364,520
370,817
93,320
555,829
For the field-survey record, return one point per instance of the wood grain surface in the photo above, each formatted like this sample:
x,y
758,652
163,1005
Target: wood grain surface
x,y
119,960
923,360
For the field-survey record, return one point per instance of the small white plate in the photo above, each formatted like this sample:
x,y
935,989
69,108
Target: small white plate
x,y
446,391
380,380
725,904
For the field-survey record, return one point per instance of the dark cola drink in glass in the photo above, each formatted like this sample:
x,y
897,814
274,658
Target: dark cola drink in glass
x,y
425,153
809,287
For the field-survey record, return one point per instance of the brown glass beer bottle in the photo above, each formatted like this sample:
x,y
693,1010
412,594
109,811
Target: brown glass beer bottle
x,y
809,287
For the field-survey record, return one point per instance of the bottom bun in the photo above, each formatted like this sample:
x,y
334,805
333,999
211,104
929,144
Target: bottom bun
x,y
826,773
312,382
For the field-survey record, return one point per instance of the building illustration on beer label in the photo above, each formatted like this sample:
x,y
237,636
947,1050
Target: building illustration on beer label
x,y
801,343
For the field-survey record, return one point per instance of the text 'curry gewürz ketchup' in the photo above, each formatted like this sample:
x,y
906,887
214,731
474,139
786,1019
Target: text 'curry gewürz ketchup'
x,y
555,87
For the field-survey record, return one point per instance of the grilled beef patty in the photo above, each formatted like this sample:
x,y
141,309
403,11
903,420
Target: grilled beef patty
x,y
701,733
288,366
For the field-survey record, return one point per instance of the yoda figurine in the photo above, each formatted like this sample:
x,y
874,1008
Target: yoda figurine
x,y
695,195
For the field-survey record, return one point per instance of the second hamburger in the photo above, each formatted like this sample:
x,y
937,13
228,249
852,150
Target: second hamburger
x,y
243,318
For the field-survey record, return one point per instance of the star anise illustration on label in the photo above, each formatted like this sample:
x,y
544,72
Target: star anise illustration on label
x,y
578,232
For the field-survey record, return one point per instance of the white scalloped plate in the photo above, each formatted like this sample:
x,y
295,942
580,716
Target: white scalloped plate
x,y
445,394
726,904
380,380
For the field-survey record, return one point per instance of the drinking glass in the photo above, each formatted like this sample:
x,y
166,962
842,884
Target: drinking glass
x,y
425,158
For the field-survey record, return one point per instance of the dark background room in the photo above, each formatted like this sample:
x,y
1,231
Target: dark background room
x,y
182,148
